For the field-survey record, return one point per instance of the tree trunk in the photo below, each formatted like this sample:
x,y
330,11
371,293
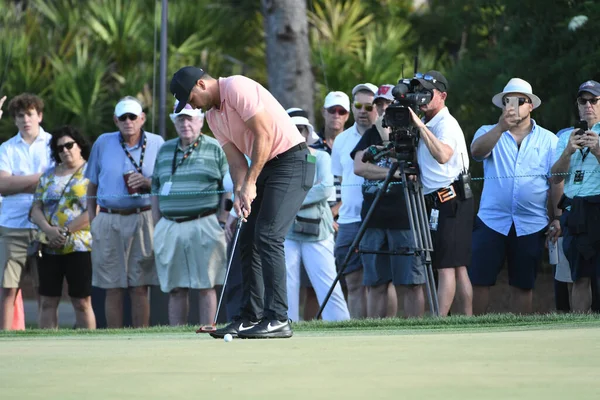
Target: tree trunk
x,y
288,53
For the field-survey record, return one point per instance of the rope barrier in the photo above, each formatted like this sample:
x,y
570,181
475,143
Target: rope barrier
x,y
366,184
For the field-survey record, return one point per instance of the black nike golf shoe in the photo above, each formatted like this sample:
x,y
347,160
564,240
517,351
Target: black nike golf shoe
x,y
234,328
267,329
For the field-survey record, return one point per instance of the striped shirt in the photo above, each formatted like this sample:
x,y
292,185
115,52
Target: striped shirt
x,y
202,171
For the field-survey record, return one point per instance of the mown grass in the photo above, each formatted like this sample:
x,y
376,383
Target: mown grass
x,y
495,321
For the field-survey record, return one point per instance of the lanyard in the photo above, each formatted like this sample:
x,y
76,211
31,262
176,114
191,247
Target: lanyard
x,y
584,154
187,153
128,154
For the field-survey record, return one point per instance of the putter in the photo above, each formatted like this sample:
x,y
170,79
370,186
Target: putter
x,y
213,327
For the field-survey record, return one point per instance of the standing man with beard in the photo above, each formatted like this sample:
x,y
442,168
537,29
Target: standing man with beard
x,y
248,121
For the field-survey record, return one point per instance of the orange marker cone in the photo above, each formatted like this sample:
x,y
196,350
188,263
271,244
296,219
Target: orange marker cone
x,y
19,314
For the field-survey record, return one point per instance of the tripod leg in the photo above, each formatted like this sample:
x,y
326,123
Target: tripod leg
x,y
429,246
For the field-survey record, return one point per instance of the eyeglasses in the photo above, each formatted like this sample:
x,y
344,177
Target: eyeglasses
x,y
583,101
61,147
368,107
124,117
338,110
429,78
522,100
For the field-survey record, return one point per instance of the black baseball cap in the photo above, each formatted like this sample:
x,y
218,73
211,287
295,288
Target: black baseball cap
x,y
182,83
433,80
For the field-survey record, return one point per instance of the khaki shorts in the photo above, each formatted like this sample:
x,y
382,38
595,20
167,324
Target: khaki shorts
x,y
14,263
122,253
190,254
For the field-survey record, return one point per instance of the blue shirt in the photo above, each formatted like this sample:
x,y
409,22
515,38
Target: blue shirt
x,y
590,185
516,181
108,162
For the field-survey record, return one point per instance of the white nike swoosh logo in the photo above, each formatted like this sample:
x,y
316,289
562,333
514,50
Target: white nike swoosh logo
x,y
272,328
243,328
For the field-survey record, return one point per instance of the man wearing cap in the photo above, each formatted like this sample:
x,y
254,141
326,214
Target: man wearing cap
x,y
120,172
310,239
23,159
336,109
512,222
577,165
349,219
442,157
387,229
189,243
247,120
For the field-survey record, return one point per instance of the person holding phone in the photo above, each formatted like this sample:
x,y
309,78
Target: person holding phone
x,y
577,163
519,211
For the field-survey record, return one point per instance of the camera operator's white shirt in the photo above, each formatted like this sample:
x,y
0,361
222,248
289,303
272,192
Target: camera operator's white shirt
x,y
434,175
343,165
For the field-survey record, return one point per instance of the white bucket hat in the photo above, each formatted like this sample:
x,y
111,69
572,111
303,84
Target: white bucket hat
x,y
517,85
300,117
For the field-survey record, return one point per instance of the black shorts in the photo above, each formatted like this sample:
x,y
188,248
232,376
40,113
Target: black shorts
x,y
76,267
452,239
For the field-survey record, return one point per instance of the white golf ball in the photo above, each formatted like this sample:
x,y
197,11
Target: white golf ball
x,y
228,337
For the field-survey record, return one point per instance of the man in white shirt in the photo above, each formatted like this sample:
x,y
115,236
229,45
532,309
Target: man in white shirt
x,y
442,157
23,158
349,219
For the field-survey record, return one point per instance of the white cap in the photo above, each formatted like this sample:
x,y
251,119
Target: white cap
x,y
187,110
337,99
365,86
300,117
128,105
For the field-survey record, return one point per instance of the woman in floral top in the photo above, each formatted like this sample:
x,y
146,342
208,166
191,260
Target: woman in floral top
x,y
59,210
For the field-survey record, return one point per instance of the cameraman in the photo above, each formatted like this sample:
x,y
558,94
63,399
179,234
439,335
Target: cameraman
x,y
388,228
578,154
442,157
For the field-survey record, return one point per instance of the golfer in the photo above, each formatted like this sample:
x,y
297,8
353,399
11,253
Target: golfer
x,y
247,120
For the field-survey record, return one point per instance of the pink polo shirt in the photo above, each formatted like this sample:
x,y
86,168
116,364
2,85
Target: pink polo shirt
x,y
241,99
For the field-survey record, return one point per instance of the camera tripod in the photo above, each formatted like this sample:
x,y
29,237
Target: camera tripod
x,y
419,226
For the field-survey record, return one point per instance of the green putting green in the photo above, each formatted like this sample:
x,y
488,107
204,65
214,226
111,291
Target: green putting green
x,y
553,357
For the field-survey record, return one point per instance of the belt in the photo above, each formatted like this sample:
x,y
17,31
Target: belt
x,y
293,149
435,195
192,218
128,211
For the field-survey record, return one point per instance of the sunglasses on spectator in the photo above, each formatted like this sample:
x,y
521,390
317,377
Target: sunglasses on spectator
x,y
61,147
429,78
124,117
338,110
368,107
522,100
583,101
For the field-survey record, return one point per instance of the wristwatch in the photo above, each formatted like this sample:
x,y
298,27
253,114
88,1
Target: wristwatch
x,y
66,231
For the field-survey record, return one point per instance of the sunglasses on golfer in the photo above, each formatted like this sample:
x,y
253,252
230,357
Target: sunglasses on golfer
x,y
61,147
429,78
337,110
522,100
583,101
124,117
368,107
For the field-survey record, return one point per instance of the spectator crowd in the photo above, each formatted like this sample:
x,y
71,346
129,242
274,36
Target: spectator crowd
x,y
132,211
